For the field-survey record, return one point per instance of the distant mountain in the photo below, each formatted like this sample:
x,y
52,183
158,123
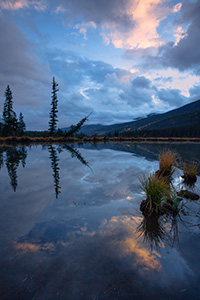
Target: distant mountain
x,y
185,116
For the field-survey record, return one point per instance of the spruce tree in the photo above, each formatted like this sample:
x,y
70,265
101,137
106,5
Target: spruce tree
x,y
54,103
10,124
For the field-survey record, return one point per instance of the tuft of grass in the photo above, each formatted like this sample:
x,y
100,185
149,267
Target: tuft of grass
x,y
190,169
156,190
167,163
175,200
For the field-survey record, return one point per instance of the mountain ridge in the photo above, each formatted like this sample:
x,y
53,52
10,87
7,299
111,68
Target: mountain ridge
x,y
187,115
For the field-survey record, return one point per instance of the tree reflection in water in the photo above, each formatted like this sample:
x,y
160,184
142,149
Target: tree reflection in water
x,y
74,153
13,157
55,162
55,167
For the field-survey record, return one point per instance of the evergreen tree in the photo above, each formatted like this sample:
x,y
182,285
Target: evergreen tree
x,y
54,111
10,124
22,126
75,128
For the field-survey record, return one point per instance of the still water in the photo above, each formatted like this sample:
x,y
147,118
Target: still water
x,y
71,226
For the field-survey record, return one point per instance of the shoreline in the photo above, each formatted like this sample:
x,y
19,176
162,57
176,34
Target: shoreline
x,y
26,140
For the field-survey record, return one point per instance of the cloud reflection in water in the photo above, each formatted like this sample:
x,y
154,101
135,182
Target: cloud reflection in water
x,y
84,244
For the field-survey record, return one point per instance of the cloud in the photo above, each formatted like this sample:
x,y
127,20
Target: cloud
x,y
170,78
85,85
183,53
59,9
141,82
172,96
12,5
181,49
90,85
114,13
126,23
138,92
18,58
82,28
147,17
195,92
29,79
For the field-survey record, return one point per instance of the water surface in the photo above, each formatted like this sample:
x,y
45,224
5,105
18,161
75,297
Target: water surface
x,y
71,227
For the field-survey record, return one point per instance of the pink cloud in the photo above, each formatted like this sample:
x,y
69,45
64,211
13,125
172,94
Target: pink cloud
x,y
22,4
147,16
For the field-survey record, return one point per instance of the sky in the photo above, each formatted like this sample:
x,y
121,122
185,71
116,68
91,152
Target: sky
x,y
119,59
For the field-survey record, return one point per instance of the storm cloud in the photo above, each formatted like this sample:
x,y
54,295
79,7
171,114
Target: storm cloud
x,y
115,13
20,66
186,54
182,54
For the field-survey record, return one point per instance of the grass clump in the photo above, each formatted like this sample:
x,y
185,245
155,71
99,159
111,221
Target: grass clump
x,y
156,190
190,169
167,163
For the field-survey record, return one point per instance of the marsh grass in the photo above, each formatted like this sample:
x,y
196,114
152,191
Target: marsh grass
x,y
190,169
168,161
156,190
176,200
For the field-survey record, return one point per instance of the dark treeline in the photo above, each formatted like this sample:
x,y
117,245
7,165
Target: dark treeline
x,y
13,126
183,131
10,125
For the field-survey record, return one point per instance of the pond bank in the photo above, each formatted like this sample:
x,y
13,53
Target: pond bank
x,y
14,140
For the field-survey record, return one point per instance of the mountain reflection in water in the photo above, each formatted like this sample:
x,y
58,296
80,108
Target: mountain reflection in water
x,y
82,235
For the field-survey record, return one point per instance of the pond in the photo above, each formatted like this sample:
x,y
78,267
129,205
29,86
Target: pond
x,y
71,225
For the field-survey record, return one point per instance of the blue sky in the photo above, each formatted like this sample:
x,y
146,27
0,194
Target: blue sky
x,y
120,59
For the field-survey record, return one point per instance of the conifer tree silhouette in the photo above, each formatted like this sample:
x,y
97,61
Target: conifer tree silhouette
x,y
54,103
10,124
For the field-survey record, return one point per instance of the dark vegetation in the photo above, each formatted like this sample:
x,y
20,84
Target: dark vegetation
x,y
54,104
163,202
11,157
161,196
190,170
12,127
183,122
